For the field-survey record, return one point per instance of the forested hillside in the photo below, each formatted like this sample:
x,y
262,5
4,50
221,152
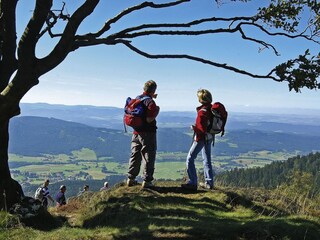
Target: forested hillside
x,y
35,136
274,174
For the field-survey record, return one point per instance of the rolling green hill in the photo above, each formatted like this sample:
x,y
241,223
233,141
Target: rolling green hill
x,y
35,136
47,147
165,212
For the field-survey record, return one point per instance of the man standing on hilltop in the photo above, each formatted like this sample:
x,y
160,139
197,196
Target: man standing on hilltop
x,y
144,139
46,194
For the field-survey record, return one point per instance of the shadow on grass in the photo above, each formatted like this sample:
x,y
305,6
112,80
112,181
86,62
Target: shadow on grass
x,y
166,190
234,199
44,221
153,215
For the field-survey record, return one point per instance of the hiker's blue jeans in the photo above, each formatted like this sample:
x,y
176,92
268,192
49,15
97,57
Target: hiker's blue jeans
x,y
205,147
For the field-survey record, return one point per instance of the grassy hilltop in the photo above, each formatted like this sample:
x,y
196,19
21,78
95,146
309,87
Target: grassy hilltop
x,y
165,212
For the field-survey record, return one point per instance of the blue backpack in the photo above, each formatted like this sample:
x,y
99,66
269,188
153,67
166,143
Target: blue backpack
x,y
134,112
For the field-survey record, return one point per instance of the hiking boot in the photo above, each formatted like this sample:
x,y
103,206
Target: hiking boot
x,y
189,186
131,182
205,186
146,184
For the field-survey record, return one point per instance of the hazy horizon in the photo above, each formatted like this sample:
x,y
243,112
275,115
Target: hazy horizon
x,y
234,108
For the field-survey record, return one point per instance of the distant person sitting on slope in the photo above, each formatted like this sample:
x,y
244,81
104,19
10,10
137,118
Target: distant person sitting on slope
x,y
105,186
85,189
60,197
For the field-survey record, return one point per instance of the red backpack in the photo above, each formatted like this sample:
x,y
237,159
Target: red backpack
x,y
219,118
134,112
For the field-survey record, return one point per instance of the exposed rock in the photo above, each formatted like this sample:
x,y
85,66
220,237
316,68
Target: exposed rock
x,y
27,208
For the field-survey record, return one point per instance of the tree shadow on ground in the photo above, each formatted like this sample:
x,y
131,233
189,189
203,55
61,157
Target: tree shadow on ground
x,y
155,215
44,221
235,199
179,190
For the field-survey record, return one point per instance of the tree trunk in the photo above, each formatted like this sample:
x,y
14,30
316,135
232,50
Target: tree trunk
x,y
10,190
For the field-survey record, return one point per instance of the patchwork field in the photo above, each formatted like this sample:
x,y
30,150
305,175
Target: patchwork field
x,y
85,165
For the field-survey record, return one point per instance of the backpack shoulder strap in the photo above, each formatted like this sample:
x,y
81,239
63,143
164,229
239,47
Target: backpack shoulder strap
x,y
142,98
206,109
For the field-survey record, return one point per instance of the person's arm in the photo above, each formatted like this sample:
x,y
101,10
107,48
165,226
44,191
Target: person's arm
x,y
152,118
152,112
200,127
51,199
58,198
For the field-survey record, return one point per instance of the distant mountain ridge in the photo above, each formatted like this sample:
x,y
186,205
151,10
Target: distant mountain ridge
x,y
107,117
34,136
55,129
112,117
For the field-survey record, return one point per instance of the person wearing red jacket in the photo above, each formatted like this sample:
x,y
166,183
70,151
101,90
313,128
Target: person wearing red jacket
x,y
202,142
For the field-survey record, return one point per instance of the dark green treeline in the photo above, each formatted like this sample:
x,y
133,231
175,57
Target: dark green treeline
x,y
274,174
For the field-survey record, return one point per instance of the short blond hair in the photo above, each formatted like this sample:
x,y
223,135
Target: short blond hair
x,y
204,96
150,86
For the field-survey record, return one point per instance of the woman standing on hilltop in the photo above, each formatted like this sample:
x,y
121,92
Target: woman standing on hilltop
x,y
202,142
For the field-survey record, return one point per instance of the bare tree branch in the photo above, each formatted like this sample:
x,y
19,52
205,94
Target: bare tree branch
x,y
107,24
66,43
197,59
112,41
238,28
134,32
177,32
266,45
171,25
301,35
51,21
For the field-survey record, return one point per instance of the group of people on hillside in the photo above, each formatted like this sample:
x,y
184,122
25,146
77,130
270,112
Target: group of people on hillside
x,y
144,146
144,142
60,197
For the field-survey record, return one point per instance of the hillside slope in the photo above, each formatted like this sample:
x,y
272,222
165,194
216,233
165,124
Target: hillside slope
x,y
274,174
168,212
35,136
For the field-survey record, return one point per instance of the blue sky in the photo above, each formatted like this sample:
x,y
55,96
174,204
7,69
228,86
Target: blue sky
x,y
107,75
